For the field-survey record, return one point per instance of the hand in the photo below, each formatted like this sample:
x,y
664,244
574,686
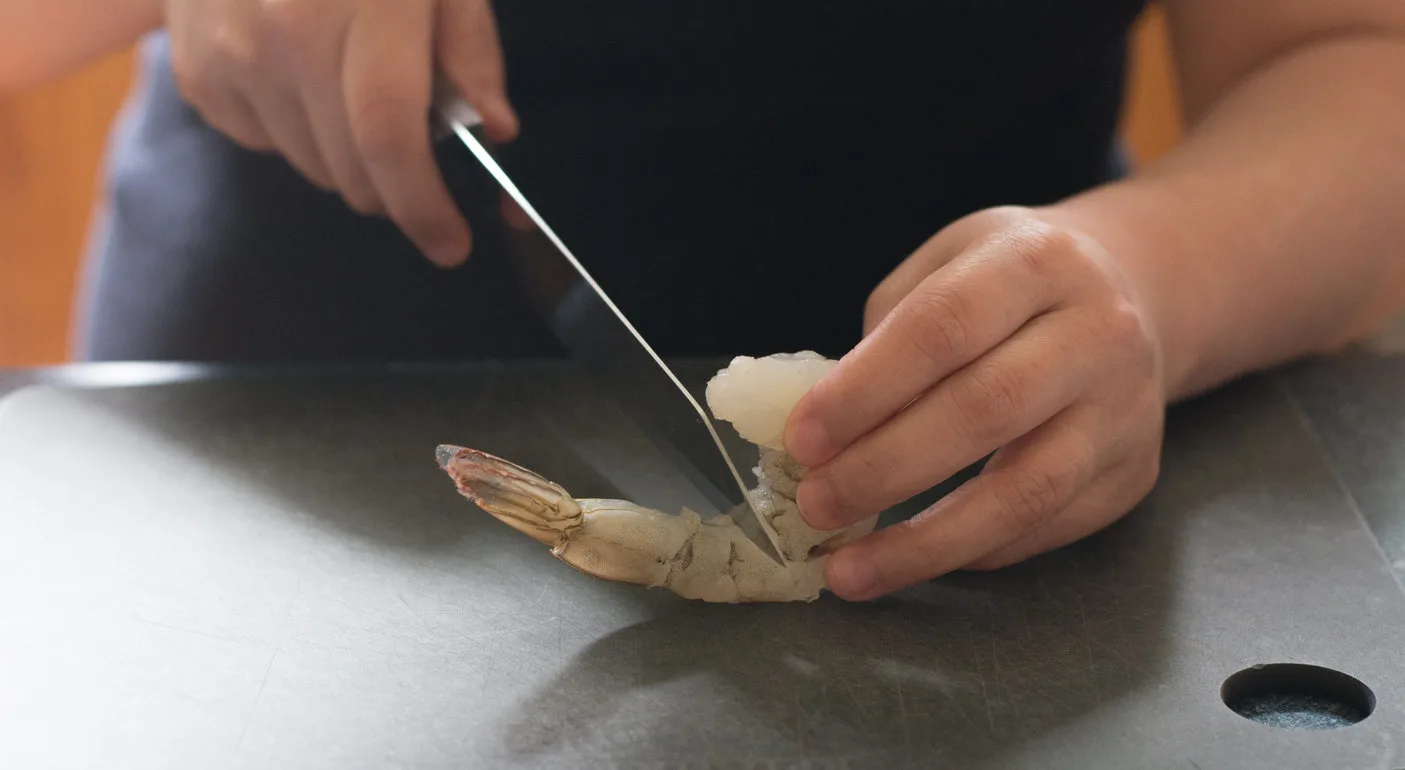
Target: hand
x,y
1007,334
343,89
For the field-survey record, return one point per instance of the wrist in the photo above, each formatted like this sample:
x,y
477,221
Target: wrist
x,y
1129,224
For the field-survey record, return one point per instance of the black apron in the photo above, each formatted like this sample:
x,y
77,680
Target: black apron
x,y
738,174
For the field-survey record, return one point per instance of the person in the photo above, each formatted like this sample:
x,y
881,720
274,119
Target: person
x,y
932,191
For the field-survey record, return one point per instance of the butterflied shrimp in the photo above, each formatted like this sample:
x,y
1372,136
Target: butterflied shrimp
x,y
705,559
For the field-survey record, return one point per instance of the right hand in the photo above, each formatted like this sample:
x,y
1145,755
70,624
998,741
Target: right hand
x,y
343,89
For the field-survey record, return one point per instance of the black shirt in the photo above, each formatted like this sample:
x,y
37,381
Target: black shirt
x,y
738,174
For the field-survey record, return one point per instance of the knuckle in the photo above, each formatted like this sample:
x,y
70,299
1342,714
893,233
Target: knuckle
x,y
235,47
249,138
1003,213
314,177
221,57
878,305
193,88
1124,324
1148,473
1028,495
1123,327
379,130
362,201
1042,248
987,399
290,20
1007,557
193,74
941,331
997,219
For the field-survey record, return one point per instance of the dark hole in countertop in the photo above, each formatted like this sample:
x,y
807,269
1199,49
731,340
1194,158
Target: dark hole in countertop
x,y
1298,696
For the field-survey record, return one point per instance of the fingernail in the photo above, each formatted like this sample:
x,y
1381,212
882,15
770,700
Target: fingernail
x,y
808,442
816,501
851,575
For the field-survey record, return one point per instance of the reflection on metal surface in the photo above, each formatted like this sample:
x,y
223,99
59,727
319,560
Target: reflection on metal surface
x,y
134,374
616,357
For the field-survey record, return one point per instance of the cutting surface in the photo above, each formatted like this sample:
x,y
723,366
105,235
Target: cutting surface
x,y
273,573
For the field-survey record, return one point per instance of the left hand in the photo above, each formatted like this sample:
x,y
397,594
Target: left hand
x,y
1004,333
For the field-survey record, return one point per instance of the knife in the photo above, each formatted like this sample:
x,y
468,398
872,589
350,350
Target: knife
x,y
615,355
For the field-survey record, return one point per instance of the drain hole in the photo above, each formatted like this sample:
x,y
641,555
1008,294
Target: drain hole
x,y
1295,696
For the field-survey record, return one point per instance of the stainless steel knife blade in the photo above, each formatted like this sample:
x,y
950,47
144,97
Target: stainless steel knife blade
x,y
617,357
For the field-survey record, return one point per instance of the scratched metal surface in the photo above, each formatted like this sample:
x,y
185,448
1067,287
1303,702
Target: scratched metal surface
x,y
271,572
1356,407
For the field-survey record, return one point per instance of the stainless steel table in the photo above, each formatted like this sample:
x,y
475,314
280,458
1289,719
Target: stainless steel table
x,y
248,569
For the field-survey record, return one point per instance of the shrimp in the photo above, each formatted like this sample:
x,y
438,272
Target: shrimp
x,y
709,559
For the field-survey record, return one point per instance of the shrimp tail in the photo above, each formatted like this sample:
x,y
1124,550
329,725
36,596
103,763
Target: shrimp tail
x,y
520,498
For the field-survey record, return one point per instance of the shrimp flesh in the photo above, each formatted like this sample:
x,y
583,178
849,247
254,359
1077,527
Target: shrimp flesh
x,y
707,559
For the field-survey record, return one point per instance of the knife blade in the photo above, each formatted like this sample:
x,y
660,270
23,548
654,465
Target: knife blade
x,y
617,357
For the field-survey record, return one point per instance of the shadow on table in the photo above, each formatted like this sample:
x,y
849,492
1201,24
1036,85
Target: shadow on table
x,y
956,669
968,670
356,454
965,668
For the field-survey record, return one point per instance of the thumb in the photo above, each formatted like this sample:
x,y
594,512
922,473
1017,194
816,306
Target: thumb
x,y
470,56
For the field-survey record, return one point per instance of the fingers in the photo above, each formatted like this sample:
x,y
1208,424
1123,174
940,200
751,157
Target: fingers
x,y
955,315
993,401
1109,498
236,118
285,119
936,252
317,55
276,41
470,55
1028,343
1040,476
343,91
388,91
200,68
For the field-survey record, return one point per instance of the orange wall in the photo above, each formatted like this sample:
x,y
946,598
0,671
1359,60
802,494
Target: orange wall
x,y
51,145
1152,119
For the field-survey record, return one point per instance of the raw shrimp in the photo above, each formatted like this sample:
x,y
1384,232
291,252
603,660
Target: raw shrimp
x,y
705,559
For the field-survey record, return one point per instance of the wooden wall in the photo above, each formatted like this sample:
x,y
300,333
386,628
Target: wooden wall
x,y
51,146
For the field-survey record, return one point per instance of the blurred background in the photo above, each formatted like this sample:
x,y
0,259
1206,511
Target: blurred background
x,y
50,182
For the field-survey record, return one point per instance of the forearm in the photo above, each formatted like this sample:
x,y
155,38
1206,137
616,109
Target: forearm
x,y
41,40
1277,230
